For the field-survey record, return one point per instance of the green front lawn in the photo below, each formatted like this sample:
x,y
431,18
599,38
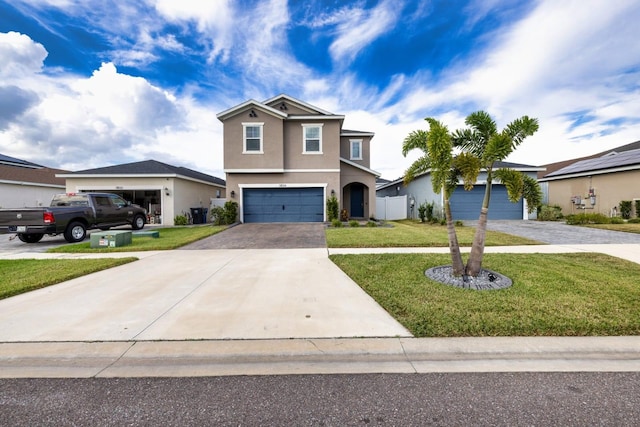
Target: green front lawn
x,y
413,234
582,294
24,275
170,238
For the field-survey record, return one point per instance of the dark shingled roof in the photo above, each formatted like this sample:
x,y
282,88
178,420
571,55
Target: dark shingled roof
x,y
151,167
32,175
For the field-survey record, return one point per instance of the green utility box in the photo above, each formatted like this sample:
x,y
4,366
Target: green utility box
x,y
110,239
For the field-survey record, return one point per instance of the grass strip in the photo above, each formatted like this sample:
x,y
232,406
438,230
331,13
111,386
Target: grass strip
x,y
24,275
169,238
552,295
413,234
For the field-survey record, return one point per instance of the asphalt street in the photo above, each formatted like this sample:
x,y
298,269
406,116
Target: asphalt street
x,y
471,399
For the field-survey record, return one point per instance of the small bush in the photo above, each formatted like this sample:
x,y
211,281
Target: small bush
x,y
425,212
180,220
587,218
344,215
637,204
333,208
354,223
372,224
625,209
549,213
336,223
616,220
634,221
225,215
458,223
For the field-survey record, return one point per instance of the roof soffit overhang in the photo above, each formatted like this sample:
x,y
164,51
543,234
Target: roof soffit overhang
x,y
357,166
298,103
250,104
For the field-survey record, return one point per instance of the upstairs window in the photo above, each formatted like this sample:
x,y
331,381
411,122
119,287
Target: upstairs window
x,y
252,135
312,139
356,149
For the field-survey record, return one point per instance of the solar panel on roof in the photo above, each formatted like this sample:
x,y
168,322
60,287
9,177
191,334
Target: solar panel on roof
x,y
607,161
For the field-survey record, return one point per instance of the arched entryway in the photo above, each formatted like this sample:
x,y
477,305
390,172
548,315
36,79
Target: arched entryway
x,y
355,199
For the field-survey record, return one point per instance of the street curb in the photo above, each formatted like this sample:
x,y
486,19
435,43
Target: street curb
x,y
318,356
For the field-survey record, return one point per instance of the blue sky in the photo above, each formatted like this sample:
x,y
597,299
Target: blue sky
x,y
87,83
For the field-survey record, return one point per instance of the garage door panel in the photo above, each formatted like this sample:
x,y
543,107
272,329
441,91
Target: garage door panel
x,y
465,205
283,205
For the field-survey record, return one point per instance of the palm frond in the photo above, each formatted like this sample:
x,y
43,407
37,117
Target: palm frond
x,y
513,180
422,165
415,140
468,168
482,123
498,148
521,128
532,193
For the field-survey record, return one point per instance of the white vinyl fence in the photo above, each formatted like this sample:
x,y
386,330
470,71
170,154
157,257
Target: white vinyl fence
x,y
391,208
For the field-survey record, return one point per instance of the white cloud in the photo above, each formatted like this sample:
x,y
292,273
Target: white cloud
x,y
20,55
360,27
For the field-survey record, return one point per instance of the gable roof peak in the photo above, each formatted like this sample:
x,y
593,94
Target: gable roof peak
x,y
280,100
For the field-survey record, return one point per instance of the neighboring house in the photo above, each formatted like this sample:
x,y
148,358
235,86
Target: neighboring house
x,y
465,205
283,158
164,190
596,184
26,184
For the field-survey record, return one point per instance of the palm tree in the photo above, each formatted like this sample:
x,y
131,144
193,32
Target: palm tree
x,y
483,141
438,158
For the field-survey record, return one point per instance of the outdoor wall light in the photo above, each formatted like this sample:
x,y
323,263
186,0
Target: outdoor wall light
x,y
333,192
233,194
166,191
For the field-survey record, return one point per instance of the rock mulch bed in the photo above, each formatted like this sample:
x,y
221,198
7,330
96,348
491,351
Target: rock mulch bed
x,y
486,280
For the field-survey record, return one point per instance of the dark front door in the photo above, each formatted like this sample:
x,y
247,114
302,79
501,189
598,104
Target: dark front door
x,y
357,200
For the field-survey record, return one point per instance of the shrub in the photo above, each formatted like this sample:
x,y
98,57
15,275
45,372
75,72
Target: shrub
x,y
225,215
637,203
336,223
425,212
372,224
634,221
354,223
549,213
333,208
344,215
616,220
180,220
625,209
458,223
587,218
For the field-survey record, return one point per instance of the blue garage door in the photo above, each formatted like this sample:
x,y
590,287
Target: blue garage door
x,y
283,205
467,204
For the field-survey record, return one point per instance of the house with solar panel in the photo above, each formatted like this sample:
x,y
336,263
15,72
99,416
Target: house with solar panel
x,y
597,183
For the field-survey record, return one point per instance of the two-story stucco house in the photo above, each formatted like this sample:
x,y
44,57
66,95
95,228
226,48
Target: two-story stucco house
x,y
283,159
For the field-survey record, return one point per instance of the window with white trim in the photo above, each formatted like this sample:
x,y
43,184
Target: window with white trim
x,y
356,149
312,139
252,137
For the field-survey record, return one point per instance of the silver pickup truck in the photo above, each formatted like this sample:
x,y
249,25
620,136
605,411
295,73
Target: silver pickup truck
x,y
72,215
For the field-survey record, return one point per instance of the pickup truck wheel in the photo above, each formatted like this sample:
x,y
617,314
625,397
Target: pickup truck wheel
x,y
75,232
138,222
30,238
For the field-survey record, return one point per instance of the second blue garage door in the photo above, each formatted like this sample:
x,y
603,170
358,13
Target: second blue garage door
x,y
467,204
283,205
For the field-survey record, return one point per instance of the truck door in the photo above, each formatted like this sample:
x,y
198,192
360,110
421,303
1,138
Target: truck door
x,y
105,211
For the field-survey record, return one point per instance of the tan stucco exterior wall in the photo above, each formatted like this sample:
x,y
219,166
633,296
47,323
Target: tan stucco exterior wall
x,y
610,190
345,149
293,154
350,175
272,142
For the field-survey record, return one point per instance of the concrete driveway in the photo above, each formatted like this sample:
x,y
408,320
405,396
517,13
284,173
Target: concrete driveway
x,y
204,294
558,233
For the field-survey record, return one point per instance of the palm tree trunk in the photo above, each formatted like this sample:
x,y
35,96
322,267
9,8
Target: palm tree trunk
x,y
474,264
454,246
